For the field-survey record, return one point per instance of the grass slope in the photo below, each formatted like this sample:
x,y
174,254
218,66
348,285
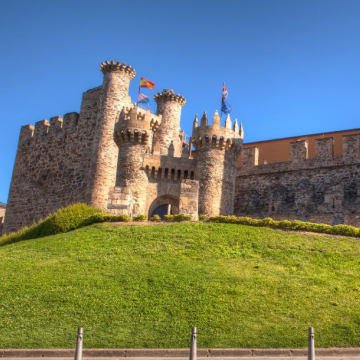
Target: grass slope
x,y
132,286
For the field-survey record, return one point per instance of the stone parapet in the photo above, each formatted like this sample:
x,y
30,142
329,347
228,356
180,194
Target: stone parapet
x,y
112,66
57,126
216,136
168,95
136,125
164,167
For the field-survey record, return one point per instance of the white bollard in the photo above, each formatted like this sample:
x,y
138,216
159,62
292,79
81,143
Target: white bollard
x,y
193,348
311,345
79,345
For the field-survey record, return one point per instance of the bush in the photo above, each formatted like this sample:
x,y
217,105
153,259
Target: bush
x,y
63,220
182,217
296,225
140,218
346,230
156,217
203,217
169,218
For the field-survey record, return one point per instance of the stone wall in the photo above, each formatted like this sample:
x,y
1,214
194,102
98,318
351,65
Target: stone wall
x,y
53,163
2,216
323,189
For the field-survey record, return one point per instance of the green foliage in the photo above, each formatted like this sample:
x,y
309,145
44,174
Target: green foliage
x,y
156,218
297,225
66,219
178,218
242,286
140,218
63,220
203,217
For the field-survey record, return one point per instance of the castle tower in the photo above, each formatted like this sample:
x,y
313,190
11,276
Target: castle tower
x,y
168,135
114,97
217,150
134,135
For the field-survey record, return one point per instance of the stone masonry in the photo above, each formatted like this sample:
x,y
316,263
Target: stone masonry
x,y
2,216
126,160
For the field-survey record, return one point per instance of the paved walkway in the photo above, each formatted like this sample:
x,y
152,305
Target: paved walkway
x,y
186,358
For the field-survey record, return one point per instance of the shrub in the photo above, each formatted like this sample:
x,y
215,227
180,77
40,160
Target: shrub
x,y
140,218
296,225
346,230
182,217
203,217
156,217
169,218
66,219
267,222
178,218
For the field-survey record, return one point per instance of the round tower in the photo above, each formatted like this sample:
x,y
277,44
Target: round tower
x,y
168,135
217,149
134,135
114,96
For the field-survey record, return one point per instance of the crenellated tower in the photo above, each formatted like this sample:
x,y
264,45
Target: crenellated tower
x,y
168,138
134,135
114,96
217,149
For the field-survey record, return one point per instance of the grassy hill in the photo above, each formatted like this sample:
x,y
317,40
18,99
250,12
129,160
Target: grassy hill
x,y
137,286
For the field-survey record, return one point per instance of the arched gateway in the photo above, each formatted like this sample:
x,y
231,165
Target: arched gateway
x,y
164,205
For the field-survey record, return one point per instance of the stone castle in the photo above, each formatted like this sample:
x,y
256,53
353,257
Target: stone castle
x,y
126,160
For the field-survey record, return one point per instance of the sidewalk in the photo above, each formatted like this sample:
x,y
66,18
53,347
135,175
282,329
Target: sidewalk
x,y
177,354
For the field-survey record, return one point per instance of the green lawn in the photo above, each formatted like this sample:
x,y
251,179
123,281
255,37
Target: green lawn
x,y
137,286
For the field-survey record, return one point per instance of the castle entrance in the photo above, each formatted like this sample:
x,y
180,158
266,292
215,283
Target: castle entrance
x,y
164,205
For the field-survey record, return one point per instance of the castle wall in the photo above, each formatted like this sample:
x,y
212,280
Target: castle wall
x,y
322,189
52,165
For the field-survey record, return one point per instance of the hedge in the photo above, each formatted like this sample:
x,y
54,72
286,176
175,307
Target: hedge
x,y
298,225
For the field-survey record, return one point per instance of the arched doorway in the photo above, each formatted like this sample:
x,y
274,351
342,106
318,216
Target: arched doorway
x,y
164,205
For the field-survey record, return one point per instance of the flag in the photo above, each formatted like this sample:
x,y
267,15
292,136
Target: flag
x,y
225,107
224,92
146,84
143,99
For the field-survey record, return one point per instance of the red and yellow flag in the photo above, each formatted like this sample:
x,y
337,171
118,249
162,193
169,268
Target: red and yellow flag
x,y
146,84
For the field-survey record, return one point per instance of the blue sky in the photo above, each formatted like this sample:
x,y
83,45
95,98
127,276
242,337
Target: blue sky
x,y
291,67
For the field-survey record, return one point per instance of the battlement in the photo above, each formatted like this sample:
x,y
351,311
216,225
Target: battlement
x,y
135,125
56,127
324,156
217,136
112,66
169,168
169,95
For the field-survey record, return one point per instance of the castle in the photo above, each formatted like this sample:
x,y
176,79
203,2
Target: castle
x,y
126,160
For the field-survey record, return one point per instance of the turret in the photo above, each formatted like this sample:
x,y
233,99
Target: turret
x,y
114,97
169,105
217,150
134,135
